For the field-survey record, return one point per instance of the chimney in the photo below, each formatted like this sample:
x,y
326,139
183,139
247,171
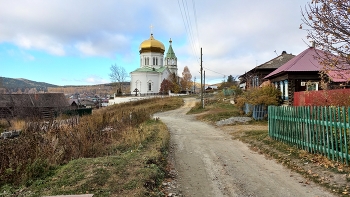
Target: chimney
x,y
313,44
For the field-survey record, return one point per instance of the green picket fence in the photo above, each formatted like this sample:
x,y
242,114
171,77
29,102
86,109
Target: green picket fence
x,y
317,129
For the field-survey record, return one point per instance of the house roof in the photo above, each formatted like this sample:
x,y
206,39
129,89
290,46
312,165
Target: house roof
x,y
339,75
87,102
34,100
71,101
273,63
305,61
276,62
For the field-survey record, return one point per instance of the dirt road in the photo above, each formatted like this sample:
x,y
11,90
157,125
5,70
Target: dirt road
x,y
209,163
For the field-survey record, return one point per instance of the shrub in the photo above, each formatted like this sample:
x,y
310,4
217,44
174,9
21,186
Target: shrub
x,y
267,95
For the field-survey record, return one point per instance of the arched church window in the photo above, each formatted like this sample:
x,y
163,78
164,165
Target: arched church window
x,y
150,86
156,60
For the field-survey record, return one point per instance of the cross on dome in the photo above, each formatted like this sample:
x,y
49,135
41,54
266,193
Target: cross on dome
x,y
151,27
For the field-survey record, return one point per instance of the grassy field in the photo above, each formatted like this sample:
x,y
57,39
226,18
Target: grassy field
x,y
128,159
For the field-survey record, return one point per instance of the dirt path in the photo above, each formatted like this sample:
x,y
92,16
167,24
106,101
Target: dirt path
x,y
209,163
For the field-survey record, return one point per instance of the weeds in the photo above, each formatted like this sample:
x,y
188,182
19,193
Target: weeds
x,y
215,110
113,132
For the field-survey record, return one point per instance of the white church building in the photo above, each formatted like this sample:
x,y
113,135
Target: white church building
x,y
154,67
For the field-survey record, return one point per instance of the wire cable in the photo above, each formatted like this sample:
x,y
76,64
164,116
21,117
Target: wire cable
x,y
187,23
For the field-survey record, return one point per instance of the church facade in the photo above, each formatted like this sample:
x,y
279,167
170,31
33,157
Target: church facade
x,y
154,67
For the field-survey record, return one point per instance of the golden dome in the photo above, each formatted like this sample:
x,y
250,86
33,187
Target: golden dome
x,y
152,45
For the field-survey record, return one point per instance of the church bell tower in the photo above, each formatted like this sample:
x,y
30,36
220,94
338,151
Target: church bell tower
x,y
170,59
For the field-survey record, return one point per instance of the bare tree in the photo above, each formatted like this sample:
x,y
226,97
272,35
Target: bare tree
x,y
118,76
329,29
186,82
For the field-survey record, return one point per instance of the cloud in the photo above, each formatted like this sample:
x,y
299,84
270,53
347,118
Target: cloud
x,y
235,35
104,44
40,42
238,35
91,80
57,27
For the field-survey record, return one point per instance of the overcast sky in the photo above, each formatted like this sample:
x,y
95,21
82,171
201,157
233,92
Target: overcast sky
x,y
66,42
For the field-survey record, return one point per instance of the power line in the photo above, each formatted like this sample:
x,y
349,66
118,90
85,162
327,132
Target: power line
x,y
195,20
215,72
188,26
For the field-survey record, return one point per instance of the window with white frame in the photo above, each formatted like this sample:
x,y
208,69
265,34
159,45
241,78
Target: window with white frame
x,y
255,81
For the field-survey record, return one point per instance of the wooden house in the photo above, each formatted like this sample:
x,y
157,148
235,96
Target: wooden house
x,y
302,73
255,77
74,103
88,104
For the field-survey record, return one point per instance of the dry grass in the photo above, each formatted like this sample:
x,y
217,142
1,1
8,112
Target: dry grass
x,y
215,110
3,124
109,131
17,124
136,171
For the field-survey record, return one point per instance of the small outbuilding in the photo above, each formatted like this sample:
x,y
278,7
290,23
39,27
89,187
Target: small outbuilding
x,y
43,105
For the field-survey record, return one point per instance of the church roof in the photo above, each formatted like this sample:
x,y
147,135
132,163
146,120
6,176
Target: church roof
x,y
152,45
170,54
150,69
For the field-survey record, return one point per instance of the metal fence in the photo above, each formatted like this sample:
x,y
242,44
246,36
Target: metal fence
x,y
317,129
258,112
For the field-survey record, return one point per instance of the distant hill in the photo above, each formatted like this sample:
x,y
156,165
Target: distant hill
x,y
20,83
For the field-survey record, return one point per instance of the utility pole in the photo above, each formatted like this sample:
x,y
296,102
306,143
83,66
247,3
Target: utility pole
x,y
202,101
204,88
194,85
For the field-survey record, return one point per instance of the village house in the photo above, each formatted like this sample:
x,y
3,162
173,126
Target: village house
x,y
255,77
302,73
